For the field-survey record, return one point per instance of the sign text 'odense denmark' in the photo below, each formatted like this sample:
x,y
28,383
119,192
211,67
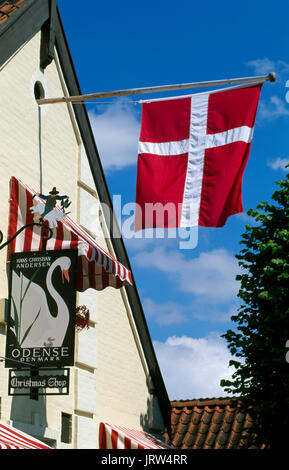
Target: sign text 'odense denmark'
x,y
41,312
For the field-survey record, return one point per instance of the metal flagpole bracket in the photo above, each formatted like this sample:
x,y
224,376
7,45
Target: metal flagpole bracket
x,y
46,234
271,77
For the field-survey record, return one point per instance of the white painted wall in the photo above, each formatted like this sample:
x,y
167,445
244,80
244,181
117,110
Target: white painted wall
x,y
108,382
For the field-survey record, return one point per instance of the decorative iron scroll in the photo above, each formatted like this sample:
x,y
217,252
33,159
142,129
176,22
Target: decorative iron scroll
x,y
46,234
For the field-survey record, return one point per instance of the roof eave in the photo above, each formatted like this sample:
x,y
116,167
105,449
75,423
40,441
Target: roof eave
x,y
21,26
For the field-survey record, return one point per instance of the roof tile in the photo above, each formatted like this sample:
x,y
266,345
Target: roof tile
x,y
7,8
186,418
200,441
215,423
207,415
211,439
223,438
189,441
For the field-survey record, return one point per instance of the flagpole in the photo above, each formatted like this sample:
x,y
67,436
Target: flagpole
x,y
271,77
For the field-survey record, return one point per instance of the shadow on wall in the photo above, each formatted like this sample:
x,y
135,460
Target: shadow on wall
x,y
26,414
29,415
152,421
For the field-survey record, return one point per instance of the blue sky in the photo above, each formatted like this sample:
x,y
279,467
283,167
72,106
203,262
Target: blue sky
x,y
188,295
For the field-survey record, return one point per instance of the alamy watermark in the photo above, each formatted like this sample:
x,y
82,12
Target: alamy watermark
x,y
121,222
287,93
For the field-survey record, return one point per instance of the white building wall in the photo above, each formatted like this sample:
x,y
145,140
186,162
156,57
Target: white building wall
x,y
86,432
109,380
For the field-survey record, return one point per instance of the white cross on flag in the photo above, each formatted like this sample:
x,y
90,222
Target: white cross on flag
x,y
192,154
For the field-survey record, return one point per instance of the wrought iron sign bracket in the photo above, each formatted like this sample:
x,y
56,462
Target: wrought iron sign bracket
x,y
46,234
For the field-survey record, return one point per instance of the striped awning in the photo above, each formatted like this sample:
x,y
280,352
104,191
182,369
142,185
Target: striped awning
x,y
97,268
11,438
118,437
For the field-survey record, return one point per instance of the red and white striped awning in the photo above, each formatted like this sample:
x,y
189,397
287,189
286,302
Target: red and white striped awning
x,y
11,438
97,268
118,437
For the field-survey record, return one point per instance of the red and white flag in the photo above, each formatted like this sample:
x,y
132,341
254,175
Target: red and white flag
x,y
192,155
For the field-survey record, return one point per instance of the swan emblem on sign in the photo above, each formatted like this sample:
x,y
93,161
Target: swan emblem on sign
x,y
34,326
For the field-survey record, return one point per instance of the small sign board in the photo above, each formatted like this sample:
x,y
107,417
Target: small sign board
x,y
45,382
41,309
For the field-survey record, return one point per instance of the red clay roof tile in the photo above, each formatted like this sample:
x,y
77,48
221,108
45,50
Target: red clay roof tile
x,y
7,8
208,424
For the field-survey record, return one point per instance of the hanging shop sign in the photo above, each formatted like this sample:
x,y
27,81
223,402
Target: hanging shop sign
x,y
41,309
44,382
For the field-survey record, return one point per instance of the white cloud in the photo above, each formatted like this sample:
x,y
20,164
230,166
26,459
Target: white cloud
x,y
276,107
262,66
279,164
211,313
210,276
146,239
116,132
167,313
265,66
193,367
172,312
247,219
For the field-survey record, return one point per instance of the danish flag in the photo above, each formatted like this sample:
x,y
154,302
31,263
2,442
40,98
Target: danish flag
x,y
192,154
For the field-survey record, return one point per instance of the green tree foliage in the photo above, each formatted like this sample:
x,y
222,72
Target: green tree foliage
x,y
258,343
